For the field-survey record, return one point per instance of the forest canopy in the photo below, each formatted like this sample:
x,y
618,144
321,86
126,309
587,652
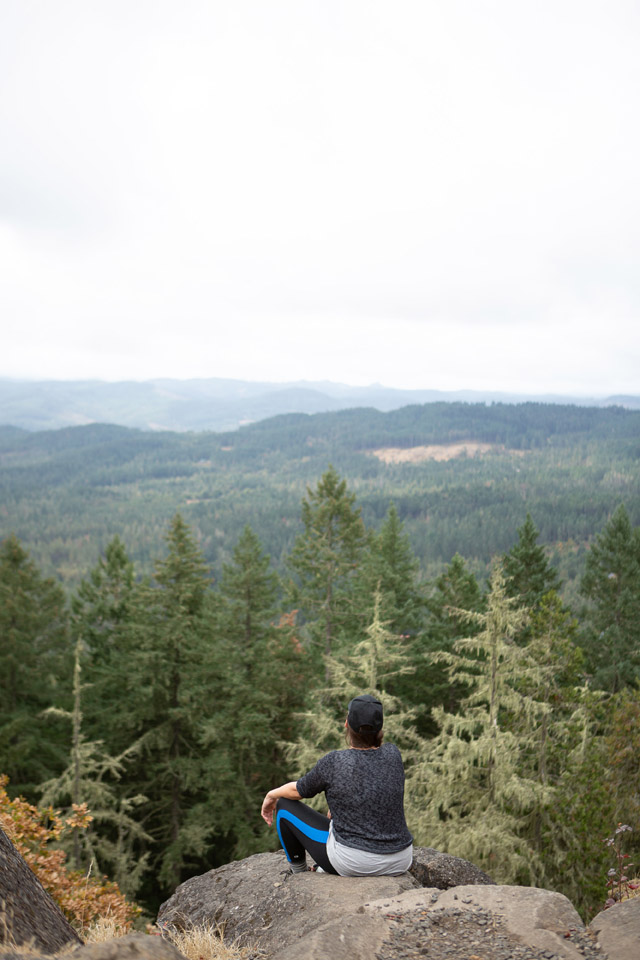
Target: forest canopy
x,y
66,493
182,619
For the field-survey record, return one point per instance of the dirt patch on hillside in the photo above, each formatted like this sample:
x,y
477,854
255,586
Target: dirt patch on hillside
x,y
444,451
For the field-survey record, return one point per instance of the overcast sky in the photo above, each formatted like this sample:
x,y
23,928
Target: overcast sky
x,y
422,193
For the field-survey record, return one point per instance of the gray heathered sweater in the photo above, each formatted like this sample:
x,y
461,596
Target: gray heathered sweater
x,y
365,793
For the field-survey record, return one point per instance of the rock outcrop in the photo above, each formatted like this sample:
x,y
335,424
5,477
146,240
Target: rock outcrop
x,y
258,901
28,915
443,909
431,868
317,916
134,946
618,929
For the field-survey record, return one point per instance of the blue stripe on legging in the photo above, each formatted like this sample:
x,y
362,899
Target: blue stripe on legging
x,y
314,834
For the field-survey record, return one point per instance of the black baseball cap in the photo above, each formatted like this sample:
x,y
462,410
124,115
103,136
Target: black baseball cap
x,y
365,711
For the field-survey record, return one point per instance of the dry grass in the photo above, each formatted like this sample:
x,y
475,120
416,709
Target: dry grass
x,y
205,942
104,928
199,943
32,949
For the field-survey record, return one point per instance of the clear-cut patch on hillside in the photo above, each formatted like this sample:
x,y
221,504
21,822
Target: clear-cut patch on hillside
x,y
436,451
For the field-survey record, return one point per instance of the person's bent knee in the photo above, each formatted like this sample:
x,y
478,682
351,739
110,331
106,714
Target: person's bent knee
x,y
283,803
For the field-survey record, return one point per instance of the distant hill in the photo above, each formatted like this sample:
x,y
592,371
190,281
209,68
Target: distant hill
x,y
462,477
219,404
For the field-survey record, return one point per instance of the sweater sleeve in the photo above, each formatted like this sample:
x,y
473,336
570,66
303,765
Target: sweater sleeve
x,y
315,781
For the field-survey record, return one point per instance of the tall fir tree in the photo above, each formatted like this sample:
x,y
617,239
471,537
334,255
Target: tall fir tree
x,y
390,571
171,690
325,560
371,666
250,591
111,843
555,742
467,796
455,589
35,664
611,585
259,667
583,811
529,574
108,616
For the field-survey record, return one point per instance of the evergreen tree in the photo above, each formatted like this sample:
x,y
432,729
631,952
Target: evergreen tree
x,y
583,812
611,584
34,662
108,615
373,663
390,570
529,574
556,682
622,766
250,591
455,589
259,668
325,560
557,738
110,844
101,603
467,794
171,690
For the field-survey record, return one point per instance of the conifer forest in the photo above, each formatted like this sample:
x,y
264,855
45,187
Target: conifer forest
x,y
184,617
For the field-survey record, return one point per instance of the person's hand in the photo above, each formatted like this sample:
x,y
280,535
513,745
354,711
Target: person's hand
x,y
268,808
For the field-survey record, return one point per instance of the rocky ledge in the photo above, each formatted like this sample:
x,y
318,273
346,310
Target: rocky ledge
x,y
443,909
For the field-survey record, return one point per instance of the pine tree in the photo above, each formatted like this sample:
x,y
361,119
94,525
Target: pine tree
x,y
250,590
583,811
529,574
455,589
373,663
108,614
89,781
325,560
101,604
557,682
611,584
171,691
467,796
34,662
556,741
390,570
259,669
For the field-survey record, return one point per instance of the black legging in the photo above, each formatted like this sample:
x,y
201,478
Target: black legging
x,y
300,829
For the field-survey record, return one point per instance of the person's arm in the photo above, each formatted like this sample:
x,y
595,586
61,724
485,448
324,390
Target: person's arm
x,y
288,790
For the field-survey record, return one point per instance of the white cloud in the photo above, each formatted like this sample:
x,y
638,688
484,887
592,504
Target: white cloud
x,y
356,191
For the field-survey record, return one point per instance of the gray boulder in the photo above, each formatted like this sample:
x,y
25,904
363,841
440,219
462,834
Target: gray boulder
x,y
317,916
618,930
431,868
260,903
28,915
134,946
481,920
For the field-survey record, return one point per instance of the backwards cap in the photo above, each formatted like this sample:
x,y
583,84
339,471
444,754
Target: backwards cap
x,y
365,711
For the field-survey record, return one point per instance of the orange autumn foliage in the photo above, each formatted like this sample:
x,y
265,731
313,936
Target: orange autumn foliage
x,y
81,898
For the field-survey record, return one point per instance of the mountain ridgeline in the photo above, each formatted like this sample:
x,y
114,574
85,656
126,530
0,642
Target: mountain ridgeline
x,y
220,404
462,477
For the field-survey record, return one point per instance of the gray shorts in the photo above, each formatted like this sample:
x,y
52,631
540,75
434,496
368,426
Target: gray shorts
x,y
349,862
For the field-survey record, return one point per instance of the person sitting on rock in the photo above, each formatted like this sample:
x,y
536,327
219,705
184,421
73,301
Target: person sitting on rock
x,y
365,833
